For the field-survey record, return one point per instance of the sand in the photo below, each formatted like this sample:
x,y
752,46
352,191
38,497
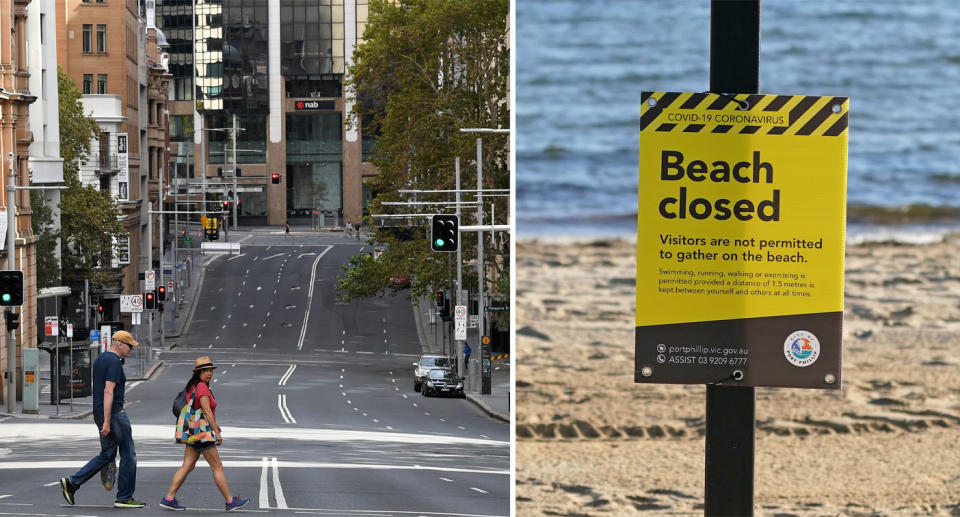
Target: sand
x,y
592,442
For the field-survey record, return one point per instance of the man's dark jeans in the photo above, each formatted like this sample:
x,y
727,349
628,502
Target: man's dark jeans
x,y
120,437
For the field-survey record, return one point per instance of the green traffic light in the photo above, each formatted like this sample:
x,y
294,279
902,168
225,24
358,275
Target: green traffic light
x,y
438,242
6,297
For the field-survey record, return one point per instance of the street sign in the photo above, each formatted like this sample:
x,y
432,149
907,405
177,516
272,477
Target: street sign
x,y
474,321
50,326
105,338
70,330
740,239
150,277
170,287
460,322
497,308
131,303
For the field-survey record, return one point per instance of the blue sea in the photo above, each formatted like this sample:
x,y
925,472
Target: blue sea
x,y
582,64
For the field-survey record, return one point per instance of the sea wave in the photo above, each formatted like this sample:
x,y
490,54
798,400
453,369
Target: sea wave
x,y
902,215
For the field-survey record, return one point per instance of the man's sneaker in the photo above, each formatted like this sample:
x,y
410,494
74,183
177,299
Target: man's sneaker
x,y
237,502
108,475
68,489
128,503
172,504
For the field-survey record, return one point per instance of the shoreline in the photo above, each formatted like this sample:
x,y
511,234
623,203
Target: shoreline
x,y
591,442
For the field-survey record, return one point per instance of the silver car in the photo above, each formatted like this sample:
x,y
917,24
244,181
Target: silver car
x,y
425,364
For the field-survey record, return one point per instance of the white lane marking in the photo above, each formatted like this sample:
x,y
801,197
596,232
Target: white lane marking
x,y
245,283
259,288
366,353
173,464
448,480
305,255
238,256
286,376
8,495
485,436
277,491
284,411
478,490
264,494
313,281
214,308
51,484
273,256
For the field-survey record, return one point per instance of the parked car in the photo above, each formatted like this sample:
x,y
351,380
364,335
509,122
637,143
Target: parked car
x,y
442,381
425,364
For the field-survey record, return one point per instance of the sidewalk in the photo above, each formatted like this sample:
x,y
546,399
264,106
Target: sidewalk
x,y
497,403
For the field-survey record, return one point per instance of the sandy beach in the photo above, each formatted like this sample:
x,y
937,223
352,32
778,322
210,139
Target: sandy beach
x,y
592,442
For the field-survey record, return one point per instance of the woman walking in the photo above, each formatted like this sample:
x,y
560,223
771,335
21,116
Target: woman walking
x,y
199,388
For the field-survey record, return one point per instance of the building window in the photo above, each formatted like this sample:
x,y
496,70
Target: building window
x,y
101,83
87,37
105,183
87,84
101,38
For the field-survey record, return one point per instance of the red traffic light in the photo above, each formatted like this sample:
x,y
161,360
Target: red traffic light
x,y
275,177
162,293
439,298
100,309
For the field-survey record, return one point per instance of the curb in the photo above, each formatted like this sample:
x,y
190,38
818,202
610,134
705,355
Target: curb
x,y
482,404
193,304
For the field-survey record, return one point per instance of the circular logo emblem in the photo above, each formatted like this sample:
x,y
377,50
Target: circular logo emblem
x,y
801,348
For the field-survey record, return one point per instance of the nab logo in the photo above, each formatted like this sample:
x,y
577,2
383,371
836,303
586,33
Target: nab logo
x,y
307,105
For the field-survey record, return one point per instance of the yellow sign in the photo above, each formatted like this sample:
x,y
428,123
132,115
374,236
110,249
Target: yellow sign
x,y
741,213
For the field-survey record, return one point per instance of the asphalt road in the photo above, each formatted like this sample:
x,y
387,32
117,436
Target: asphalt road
x,y
315,401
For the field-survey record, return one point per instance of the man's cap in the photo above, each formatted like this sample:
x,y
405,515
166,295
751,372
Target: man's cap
x,y
203,363
124,337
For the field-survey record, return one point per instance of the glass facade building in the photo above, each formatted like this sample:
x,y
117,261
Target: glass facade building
x,y
291,111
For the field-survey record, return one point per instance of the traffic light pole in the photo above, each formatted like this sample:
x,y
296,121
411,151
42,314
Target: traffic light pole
x,y
11,373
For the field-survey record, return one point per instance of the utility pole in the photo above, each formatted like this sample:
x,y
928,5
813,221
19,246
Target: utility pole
x,y
11,264
236,195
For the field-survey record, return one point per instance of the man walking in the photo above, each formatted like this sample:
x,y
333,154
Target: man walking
x,y
109,383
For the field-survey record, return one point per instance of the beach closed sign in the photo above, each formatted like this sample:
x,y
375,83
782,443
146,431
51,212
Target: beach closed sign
x,y
740,239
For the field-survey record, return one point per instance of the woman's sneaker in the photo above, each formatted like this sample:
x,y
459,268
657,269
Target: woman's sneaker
x,y
128,503
237,502
171,504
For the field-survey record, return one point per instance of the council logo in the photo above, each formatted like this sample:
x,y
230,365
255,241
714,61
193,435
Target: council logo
x,y
801,348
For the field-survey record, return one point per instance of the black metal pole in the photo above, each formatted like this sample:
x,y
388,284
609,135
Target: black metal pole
x,y
731,410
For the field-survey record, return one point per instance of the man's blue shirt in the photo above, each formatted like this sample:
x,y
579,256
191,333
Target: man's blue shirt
x,y
108,367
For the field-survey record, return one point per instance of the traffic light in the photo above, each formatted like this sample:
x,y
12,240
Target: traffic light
x,y
446,232
226,205
275,178
100,309
150,300
13,319
11,287
445,311
162,293
440,297
238,172
220,171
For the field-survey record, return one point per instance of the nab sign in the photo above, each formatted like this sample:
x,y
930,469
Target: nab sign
x,y
314,105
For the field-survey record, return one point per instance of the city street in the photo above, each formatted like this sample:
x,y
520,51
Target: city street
x,y
315,400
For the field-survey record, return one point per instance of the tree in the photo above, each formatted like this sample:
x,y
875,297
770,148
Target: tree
x,y
89,218
426,69
48,268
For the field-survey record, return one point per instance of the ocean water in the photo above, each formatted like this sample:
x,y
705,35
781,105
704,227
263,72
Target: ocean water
x,y
581,65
